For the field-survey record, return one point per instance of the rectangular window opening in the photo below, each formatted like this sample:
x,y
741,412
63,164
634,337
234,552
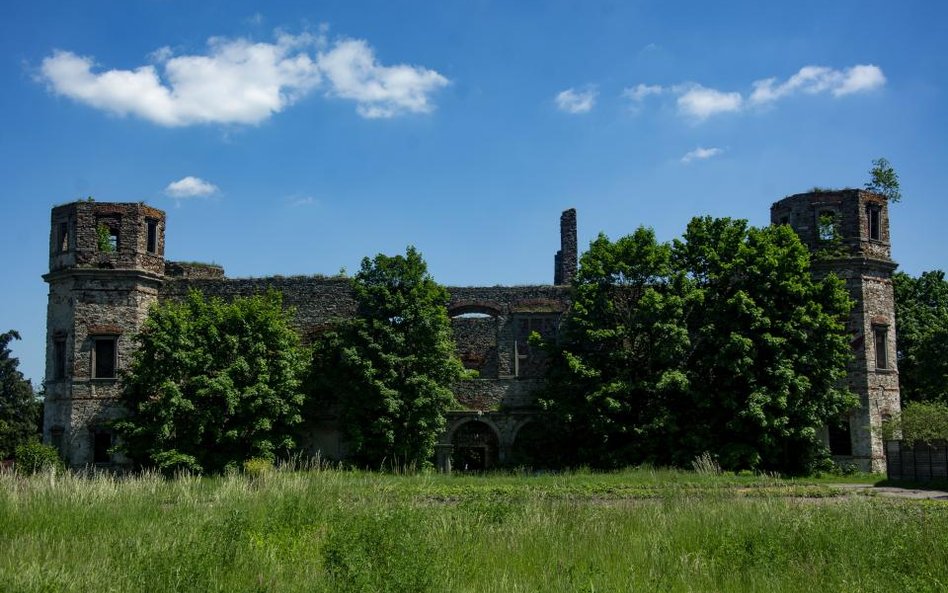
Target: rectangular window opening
x,y
880,338
101,446
152,241
874,214
62,237
840,438
827,225
103,358
59,358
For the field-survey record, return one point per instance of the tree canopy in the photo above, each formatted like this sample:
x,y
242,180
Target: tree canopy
x,y
921,312
387,372
884,180
19,408
212,384
720,342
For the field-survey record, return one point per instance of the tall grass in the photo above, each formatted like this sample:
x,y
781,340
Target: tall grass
x,y
333,530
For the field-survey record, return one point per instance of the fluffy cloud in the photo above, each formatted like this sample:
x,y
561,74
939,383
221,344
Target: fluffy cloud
x,y
379,91
573,101
699,102
190,187
699,154
819,79
240,82
639,92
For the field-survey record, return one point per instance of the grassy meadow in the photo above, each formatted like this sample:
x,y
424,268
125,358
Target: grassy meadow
x,y
334,530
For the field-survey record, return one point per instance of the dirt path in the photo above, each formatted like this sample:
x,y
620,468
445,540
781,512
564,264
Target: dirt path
x,y
894,491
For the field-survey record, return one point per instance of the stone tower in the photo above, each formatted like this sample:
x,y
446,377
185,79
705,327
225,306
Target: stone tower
x,y
847,232
565,260
106,264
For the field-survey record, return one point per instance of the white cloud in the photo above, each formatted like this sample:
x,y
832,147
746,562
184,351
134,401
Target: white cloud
x,y
240,82
701,102
190,187
700,154
639,92
379,91
297,200
573,101
814,80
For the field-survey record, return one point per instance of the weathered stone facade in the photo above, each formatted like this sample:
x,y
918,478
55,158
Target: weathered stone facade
x,y
848,230
107,268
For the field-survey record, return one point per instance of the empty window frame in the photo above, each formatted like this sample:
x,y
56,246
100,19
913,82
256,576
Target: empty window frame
x,y
101,446
62,237
103,357
827,225
151,236
59,358
874,220
880,338
840,437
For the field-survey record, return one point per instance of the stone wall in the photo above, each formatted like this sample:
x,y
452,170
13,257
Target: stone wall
x,y
864,263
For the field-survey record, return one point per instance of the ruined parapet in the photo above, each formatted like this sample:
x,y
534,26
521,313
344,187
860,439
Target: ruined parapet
x,y
193,270
566,258
847,232
106,264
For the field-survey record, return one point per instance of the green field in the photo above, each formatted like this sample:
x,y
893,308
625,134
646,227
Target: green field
x,y
333,530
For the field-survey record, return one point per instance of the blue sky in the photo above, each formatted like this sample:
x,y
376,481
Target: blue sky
x,y
298,137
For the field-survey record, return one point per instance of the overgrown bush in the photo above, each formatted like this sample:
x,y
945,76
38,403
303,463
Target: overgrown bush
x,y
257,466
919,422
34,457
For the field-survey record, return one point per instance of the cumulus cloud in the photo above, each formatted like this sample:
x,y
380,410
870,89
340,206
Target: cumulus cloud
x,y
574,101
190,187
379,91
640,91
699,102
237,81
700,154
819,79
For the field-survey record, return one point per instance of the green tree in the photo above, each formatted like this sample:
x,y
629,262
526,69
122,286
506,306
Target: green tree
x,y
768,348
213,384
921,311
19,408
614,366
721,342
388,371
884,180
918,422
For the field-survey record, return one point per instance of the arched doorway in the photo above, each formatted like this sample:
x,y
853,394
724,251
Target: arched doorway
x,y
476,446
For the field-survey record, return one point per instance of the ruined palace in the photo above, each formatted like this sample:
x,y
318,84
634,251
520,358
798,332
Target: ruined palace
x,y
99,298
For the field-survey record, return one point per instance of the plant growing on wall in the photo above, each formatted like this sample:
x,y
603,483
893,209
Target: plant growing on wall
x,y
884,180
104,238
213,384
388,371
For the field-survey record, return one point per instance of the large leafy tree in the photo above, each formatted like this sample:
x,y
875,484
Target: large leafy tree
x,y
213,383
768,346
614,367
722,342
921,312
19,408
388,371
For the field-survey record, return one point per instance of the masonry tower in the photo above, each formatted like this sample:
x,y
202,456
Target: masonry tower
x,y
847,232
566,258
106,264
